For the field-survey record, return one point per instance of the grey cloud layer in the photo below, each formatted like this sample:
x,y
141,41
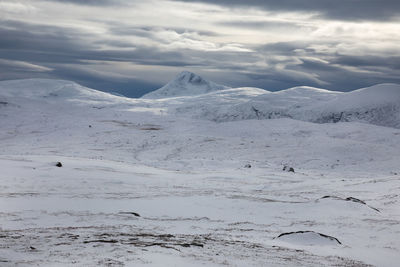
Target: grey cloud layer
x,y
133,59
353,10
379,10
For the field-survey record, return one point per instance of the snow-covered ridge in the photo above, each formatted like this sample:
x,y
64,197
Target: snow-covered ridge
x,y
54,90
192,96
379,105
185,84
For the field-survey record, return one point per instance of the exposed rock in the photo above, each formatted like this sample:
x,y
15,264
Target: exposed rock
x,y
59,164
131,213
288,169
351,199
308,237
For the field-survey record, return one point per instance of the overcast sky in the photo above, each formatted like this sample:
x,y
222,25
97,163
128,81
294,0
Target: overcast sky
x,y
133,47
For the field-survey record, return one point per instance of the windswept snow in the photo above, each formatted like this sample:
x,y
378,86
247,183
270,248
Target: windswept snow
x,y
197,180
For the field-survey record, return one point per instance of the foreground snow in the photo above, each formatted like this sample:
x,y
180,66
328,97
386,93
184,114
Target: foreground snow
x,y
145,184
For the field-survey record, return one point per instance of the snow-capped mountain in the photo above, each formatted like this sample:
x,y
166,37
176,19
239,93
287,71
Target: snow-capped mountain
x,y
185,84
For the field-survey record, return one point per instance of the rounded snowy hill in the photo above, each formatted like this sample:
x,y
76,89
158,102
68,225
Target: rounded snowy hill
x,y
53,90
185,84
378,104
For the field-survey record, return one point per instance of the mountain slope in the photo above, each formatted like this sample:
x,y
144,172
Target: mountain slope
x,y
51,90
379,105
185,84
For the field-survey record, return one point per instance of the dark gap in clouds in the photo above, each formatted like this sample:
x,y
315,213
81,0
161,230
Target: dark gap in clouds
x,y
349,10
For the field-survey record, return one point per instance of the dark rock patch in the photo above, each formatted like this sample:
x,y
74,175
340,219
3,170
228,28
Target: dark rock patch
x,y
304,232
352,199
288,169
59,164
131,213
247,166
147,240
150,128
101,241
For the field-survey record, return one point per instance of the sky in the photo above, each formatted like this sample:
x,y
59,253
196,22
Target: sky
x,y
134,47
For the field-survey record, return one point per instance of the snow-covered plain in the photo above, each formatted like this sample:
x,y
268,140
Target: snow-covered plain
x,y
196,178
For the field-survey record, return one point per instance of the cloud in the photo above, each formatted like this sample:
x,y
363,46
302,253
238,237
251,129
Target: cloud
x,y
261,24
16,7
349,10
127,86
133,52
92,2
22,66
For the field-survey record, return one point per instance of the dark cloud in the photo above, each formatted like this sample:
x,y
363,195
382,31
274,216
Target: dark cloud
x,y
44,44
342,79
260,25
34,50
129,87
350,10
367,61
150,32
91,2
332,71
60,52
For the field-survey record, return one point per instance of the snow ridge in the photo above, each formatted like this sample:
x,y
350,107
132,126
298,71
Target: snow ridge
x,y
192,96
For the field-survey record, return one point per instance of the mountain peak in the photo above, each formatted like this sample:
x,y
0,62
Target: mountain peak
x,y
185,83
189,77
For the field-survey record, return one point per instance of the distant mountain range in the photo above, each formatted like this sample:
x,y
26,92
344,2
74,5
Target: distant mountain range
x,y
190,95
